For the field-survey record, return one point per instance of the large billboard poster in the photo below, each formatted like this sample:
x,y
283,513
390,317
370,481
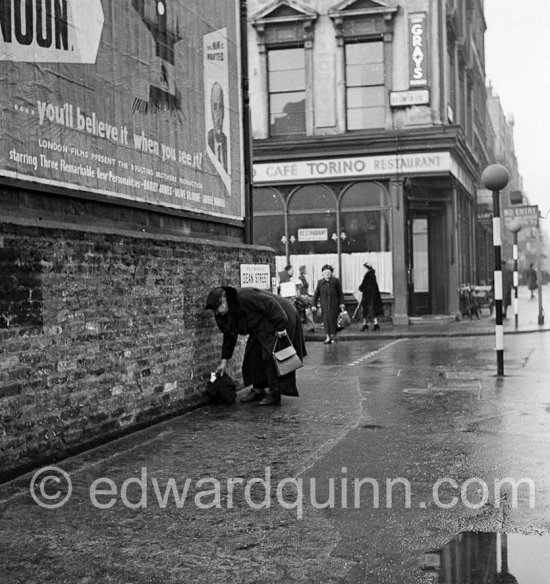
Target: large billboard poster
x,y
133,99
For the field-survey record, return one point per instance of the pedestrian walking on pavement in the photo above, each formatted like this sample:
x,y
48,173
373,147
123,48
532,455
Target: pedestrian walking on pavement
x,y
286,275
264,317
371,301
531,277
306,300
507,283
329,293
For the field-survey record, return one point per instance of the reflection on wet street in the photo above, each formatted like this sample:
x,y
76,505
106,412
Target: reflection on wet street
x,y
491,558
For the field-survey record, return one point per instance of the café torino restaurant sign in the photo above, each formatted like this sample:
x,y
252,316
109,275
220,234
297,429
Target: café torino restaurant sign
x,y
337,168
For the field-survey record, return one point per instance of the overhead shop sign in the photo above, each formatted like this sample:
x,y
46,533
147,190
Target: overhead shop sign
x,y
131,99
364,166
421,162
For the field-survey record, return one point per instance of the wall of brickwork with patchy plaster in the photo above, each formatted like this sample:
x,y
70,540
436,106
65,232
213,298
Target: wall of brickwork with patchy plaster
x,y
103,332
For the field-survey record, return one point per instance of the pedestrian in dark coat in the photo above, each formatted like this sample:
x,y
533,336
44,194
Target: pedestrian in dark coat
x,y
264,317
329,293
371,301
531,276
507,284
304,301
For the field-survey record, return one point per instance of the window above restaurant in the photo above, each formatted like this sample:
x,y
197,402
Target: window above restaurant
x,y
285,36
362,19
284,23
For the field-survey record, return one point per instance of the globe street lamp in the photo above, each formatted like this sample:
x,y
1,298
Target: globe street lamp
x,y
515,227
495,177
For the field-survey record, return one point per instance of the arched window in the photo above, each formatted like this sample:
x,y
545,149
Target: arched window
x,y
312,220
365,218
269,218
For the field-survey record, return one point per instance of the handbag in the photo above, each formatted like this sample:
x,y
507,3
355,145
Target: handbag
x,y
286,359
344,319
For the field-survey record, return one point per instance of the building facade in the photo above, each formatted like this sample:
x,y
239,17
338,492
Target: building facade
x,y
369,127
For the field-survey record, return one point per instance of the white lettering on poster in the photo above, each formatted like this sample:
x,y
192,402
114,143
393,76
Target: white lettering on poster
x,y
72,116
54,31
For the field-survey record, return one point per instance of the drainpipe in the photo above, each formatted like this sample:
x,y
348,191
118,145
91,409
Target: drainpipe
x,y
247,135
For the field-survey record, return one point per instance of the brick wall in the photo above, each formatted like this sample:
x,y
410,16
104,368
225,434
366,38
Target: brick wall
x,y
102,332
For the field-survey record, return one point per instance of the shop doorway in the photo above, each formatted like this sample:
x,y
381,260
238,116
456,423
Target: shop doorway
x,y
426,263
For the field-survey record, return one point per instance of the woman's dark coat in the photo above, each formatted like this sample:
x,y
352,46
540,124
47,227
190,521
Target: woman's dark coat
x,y
329,293
507,285
371,301
531,276
260,315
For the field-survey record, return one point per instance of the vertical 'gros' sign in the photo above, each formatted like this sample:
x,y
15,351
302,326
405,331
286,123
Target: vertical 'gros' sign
x,y
418,49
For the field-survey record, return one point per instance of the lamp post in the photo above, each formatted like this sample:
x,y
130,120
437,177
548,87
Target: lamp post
x,y
515,228
539,270
494,178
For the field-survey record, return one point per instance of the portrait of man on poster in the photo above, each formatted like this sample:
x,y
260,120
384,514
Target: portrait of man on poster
x,y
217,140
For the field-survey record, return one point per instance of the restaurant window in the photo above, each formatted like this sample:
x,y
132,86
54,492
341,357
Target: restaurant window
x,y
269,218
365,91
287,91
312,220
364,219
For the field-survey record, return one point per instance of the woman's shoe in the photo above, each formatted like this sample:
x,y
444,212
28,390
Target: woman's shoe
x,y
253,396
327,341
270,400
376,327
365,327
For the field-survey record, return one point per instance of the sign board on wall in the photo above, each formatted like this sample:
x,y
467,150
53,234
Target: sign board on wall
x,y
485,218
132,99
331,168
528,215
256,276
313,234
361,166
418,49
408,98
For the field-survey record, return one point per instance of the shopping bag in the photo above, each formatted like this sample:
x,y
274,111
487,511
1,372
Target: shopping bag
x,y
286,359
344,319
221,389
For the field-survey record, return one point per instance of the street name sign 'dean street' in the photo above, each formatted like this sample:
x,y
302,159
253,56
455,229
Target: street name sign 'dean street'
x,y
255,276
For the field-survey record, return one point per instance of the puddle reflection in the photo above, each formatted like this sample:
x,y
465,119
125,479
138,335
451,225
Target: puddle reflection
x,y
491,558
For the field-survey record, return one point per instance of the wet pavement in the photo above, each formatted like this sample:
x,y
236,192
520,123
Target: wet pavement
x,y
391,451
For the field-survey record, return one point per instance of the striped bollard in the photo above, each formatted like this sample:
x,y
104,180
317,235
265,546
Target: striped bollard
x,y
515,228
516,281
495,178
